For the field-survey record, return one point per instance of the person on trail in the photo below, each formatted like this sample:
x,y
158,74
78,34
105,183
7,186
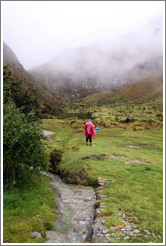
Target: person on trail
x,y
89,131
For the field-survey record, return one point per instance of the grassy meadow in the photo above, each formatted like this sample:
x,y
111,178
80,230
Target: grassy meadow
x,y
130,160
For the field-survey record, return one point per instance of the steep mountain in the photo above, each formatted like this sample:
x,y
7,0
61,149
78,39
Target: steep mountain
x,y
49,101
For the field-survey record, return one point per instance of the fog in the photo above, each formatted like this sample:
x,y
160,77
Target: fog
x,y
97,37
112,63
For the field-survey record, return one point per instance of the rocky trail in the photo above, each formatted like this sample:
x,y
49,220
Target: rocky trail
x,y
75,212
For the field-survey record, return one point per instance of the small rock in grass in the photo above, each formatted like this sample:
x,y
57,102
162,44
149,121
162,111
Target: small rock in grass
x,y
127,238
41,221
105,231
147,232
119,213
102,196
36,234
136,231
99,188
128,228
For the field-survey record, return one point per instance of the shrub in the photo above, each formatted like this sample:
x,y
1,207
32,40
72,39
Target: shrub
x,y
23,150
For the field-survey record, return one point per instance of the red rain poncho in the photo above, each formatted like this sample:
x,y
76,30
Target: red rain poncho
x,y
89,129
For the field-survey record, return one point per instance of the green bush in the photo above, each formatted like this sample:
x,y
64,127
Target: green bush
x,y
23,150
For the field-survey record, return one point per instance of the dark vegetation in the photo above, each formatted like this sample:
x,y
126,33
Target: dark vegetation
x,y
24,152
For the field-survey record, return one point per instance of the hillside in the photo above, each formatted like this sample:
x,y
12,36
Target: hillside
x,y
50,102
141,101
142,90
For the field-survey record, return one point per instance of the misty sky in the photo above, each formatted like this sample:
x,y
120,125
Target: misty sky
x,y
37,31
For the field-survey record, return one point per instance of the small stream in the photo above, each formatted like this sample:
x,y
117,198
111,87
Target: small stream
x,y
75,212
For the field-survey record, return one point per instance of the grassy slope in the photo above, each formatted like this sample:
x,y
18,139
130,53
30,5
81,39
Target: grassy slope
x,y
142,101
131,187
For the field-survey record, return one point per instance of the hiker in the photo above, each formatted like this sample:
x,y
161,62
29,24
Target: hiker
x,y
89,131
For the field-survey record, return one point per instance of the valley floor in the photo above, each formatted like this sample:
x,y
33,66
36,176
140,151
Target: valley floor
x,y
124,165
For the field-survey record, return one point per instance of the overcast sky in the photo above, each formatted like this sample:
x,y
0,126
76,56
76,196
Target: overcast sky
x,y
38,30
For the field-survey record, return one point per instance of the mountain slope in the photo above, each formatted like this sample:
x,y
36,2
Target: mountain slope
x,y
50,101
144,89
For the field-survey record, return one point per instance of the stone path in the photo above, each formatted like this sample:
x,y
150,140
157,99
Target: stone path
x,y
75,212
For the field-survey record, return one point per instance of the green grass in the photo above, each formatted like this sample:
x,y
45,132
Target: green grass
x,y
28,210
132,187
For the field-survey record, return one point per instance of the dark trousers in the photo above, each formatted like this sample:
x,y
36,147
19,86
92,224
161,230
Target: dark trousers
x,y
90,138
